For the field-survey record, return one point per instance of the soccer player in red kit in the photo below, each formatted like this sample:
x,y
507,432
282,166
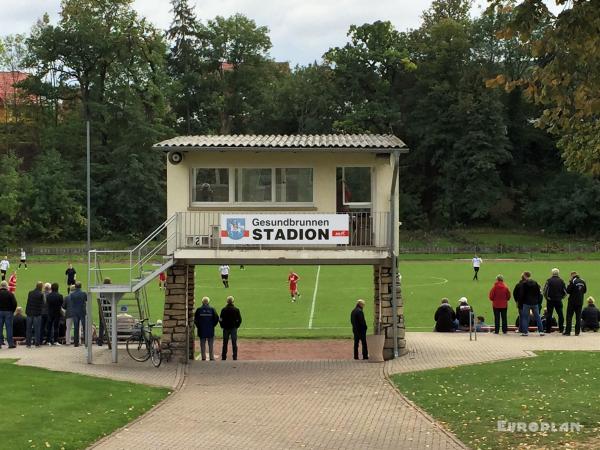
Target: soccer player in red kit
x,y
293,281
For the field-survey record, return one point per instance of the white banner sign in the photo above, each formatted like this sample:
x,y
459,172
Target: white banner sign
x,y
284,229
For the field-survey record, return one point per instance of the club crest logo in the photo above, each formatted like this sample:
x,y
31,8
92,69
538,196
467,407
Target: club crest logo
x,y
236,228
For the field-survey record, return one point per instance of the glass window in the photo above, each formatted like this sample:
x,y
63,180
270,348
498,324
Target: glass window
x,y
294,185
253,185
355,185
211,185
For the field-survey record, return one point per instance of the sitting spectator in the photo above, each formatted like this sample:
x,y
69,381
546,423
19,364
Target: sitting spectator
x,y
19,324
444,318
463,314
553,322
590,316
480,323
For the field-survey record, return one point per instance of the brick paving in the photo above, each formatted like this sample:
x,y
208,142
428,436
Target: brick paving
x,y
326,404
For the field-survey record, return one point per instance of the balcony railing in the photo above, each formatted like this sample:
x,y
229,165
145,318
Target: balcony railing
x,y
201,230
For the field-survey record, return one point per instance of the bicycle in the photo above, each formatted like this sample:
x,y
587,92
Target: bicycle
x,y
143,345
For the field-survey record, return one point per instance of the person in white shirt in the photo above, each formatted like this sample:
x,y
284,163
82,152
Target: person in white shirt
x,y
4,265
476,265
224,271
23,259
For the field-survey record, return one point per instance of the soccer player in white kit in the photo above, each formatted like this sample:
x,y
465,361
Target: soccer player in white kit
x,y
4,265
23,259
476,265
224,271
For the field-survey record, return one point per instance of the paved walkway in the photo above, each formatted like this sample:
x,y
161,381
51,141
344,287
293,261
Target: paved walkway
x,y
329,404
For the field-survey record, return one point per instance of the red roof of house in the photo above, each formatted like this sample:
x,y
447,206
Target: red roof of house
x,y
7,82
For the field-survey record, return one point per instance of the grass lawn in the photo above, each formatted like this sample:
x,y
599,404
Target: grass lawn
x,y
555,387
45,409
262,295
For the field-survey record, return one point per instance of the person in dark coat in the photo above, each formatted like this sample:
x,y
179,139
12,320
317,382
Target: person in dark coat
x,y
554,292
76,303
206,319
519,300
33,310
359,329
8,304
54,301
531,296
444,317
576,289
19,324
590,317
463,314
230,320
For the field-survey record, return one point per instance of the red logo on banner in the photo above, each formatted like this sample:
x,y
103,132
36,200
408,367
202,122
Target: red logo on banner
x,y
339,233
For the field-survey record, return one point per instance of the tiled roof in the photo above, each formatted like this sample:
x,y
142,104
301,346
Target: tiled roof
x,y
373,142
7,82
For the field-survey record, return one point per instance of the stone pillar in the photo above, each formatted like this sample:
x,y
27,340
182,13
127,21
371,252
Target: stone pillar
x,y
176,325
382,276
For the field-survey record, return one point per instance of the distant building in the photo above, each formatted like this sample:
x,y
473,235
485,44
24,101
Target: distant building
x,y
9,94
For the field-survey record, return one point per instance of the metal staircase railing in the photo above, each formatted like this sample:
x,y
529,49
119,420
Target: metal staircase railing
x,y
128,269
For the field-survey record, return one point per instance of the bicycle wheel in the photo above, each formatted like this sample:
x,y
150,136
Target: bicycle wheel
x,y
155,351
137,348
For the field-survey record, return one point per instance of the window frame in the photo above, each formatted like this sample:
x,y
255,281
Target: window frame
x,y
371,185
232,171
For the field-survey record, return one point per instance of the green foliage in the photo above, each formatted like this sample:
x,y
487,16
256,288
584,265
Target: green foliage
x,y
566,79
71,410
9,196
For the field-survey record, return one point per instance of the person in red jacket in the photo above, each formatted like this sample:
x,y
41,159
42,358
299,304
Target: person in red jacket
x,y
12,282
499,296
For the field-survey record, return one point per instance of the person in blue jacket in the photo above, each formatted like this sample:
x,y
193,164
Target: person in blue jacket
x,y
206,319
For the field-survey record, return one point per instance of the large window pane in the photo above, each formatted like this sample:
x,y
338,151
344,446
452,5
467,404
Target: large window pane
x,y
211,185
356,184
253,185
294,185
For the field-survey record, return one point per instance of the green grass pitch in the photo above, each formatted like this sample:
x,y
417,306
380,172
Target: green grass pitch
x,y
262,294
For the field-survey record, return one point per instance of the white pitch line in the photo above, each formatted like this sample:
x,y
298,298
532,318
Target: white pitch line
x,y
312,307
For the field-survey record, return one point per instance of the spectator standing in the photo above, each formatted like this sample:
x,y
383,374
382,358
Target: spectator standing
x,y
230,321
33,309
499,296
476,265
54,301
4,265
517,296
531,295
78,300
206,319
12,282
445,318
576,289
71,275
45,331
554,292
68,307
19,324
8,305
23,259
359,329
590,317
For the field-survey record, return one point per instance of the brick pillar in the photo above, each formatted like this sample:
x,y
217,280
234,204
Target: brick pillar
x,y
383,292
175,323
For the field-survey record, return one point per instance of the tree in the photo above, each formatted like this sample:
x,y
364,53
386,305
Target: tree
x,y
9,196
566,78
184,61
367,71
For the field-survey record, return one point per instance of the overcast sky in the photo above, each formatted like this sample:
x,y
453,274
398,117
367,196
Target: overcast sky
x,y
301,30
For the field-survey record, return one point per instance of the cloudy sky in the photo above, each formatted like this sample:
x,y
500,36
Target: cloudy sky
x,y
301,30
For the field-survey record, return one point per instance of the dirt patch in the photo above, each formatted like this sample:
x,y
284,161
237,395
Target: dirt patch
x,y
288,349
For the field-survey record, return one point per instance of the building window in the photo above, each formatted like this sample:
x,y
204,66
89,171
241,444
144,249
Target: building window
x,y
354,186
253,185
210,185
294,185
